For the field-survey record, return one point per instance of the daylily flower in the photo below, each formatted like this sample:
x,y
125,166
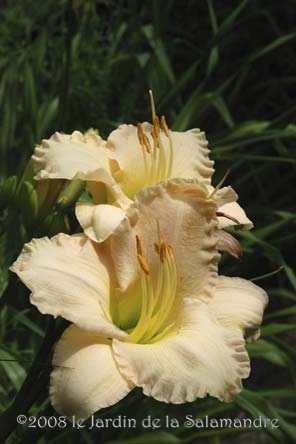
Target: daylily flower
x,y
132,158
147,306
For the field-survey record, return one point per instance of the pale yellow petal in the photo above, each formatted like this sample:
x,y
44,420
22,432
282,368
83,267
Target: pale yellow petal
x,y
191,156
238,303
187,221
239,217
132,166
67,278
223,196
230,213
85,376
69,156
127,159
98,221
201,357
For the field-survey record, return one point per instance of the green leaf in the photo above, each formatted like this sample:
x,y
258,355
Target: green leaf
x,y
13,369
282,40
29,91
273,329
28,202
259,407
269,352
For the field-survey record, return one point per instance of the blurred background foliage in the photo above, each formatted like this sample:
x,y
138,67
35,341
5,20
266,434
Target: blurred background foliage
x,y
226,67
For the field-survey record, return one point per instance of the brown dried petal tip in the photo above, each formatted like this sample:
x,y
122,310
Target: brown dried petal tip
x,y
228,244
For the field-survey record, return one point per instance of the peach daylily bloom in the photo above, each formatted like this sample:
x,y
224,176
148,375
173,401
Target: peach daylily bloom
x,y
147,307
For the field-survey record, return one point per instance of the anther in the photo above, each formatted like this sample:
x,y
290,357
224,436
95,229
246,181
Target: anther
x,y
143,139
155,137
139,245
143,264
147,144
164,126
156,124
140,133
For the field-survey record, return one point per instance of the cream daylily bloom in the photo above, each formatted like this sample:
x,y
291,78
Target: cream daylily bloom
x,y
132,158
147,307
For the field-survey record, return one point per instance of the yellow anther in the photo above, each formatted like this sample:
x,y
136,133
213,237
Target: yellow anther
x,y
147,144
156,124
165,126
143,264
143,139
139,245
140,133
155,137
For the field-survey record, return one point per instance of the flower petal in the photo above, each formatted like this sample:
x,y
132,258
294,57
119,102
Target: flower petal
x,y
229,244
190,157
187,221
239,217
98,221
201,357
229,211
67,278
238,303
68,156
85,378
223,195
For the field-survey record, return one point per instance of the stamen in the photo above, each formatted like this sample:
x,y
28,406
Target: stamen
x,y
159,165
156,125
172,253
140,133
158,294
143,264
139,245
147,144
219,185
164,126
166,296
143,139
171,156
155,138
139,331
